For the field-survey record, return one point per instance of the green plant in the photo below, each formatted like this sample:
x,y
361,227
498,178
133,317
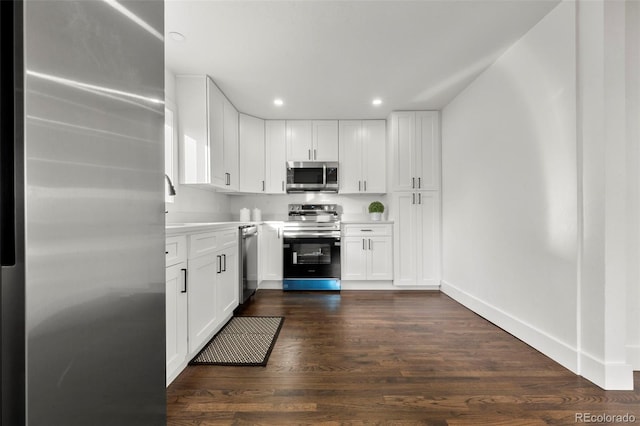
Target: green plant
x,y
376,207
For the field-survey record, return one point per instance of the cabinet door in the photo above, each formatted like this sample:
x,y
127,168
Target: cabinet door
x,y
428,150
428,243
353,258
404,151
228,287
252,153
203,272
380,258
299,140
231,164
270,237
176,318
193,139
405,235
276,156
373,155
325,140
215,100
350,178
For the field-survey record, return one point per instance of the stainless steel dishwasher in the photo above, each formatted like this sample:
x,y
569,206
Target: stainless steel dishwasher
x,y
248,261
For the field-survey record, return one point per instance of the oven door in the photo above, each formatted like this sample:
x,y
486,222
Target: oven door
x,y
311,257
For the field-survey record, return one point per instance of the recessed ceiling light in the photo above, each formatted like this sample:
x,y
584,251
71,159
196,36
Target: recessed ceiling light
x,y
176,36
278,102
377,102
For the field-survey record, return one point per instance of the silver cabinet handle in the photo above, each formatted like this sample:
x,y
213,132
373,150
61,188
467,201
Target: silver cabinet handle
x,y
419,183
364,244
315,155
369,243
218,264
359,185
365,186
184,288
413,198
413,183
419,198
283,186
262,186
366,230
224,257
309,153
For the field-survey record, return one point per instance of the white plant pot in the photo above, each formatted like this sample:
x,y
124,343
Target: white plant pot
x,y
376,216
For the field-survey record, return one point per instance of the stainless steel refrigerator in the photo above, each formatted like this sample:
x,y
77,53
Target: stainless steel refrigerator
x,y
82,212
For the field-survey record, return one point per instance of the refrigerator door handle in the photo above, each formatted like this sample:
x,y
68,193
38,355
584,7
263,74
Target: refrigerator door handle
x,y
9,104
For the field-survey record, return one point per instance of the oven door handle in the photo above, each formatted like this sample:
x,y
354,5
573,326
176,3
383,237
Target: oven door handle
x,y
311,234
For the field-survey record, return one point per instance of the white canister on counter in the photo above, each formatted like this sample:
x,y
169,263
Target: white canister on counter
x,y
257,215
244,215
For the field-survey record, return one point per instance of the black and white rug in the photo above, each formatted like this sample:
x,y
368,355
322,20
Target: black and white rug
x,y
243,341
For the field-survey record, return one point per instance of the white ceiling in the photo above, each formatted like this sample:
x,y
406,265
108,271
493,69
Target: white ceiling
x,y
329,59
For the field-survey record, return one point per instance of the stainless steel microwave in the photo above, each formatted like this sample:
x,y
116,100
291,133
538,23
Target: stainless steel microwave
x,y
312,176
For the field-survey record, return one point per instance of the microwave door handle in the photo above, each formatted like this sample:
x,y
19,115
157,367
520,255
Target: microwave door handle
x,y
324,175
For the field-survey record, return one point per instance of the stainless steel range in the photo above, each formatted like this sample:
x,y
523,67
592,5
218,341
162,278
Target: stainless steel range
x,y
311,244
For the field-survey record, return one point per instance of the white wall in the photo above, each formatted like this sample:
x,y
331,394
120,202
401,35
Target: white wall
x,y
510,190
633,143
191,204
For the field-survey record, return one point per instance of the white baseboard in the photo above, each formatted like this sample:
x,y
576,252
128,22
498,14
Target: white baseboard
x,y
609,376
559,351
366,285
633,356
270,285
356,285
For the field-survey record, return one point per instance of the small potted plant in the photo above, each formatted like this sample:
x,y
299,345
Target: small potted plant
x,y
376,208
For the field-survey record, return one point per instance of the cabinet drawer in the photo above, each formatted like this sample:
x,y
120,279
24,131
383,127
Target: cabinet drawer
x,y
175,250
202,243
228,238
366,229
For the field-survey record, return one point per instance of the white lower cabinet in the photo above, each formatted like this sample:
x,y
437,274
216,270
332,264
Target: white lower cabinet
x,y
227,285
176,306
367,252
202,291
417,238
270,251
202,276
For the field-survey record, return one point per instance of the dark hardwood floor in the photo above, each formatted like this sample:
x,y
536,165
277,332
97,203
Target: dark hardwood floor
x,y
401,358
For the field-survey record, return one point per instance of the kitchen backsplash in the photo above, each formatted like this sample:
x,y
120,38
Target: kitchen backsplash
x,y
274,207
198,205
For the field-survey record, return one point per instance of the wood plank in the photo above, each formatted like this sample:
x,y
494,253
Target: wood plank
x,y
390,357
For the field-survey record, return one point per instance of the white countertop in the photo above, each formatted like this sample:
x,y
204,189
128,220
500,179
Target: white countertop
x,y
185,228
367,222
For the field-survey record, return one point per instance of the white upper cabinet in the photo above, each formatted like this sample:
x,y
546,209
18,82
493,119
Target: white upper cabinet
x,y
215,106
275,156
252,154
325,140
230,130
299,140
415,144
193,139
208,129
362,156
308,140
